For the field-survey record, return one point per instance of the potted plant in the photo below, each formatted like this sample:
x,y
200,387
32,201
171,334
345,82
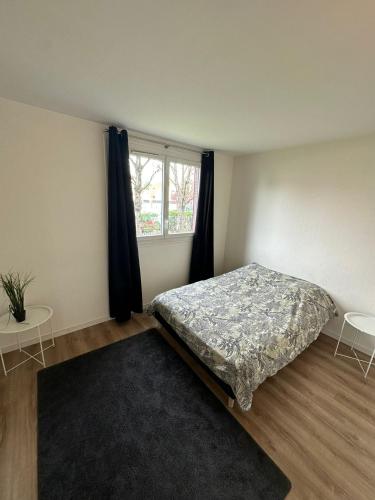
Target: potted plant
x,y
14,285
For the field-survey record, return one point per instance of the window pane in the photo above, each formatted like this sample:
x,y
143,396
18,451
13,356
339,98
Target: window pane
x,y
147,183
183,197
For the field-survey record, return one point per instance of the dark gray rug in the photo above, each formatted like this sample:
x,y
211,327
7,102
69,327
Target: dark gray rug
x,y
133,421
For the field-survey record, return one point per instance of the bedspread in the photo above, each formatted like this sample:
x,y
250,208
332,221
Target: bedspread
x,y
247,324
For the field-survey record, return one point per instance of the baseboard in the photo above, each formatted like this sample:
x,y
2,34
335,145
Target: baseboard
x,y
358,345
64,331
57,333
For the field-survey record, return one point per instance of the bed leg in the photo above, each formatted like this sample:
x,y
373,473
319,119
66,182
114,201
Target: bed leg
x,y
230,402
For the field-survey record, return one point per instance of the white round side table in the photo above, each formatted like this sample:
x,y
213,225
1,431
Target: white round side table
x,y
363,323
35,317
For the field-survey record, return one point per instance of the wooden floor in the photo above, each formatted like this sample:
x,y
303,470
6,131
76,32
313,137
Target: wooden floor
x,y
315,418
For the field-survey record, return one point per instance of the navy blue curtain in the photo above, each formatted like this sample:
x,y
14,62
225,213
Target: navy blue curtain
x,y
202,256
124,277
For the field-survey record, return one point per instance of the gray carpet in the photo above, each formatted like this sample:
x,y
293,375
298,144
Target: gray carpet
x,y
132,421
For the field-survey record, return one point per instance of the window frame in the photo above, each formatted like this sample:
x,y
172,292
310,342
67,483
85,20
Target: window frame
x,y
159,152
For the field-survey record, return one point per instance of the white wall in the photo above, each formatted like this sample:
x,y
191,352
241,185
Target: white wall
x,y
52,210
310,212
53,215
223,184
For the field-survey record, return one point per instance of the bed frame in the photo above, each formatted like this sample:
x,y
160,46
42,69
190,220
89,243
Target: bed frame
x,y
225,387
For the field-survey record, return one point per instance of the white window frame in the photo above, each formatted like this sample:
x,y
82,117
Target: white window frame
x,y
158,151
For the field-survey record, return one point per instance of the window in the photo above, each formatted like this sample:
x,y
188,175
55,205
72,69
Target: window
x,y
182,197
165,193
147,184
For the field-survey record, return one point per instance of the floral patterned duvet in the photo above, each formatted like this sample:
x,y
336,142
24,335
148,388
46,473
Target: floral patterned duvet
x,y
246,324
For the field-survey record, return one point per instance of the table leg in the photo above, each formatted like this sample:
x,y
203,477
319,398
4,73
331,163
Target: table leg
x,y
370,363
355,337
41,346
2,362
18,342
338,342
52,336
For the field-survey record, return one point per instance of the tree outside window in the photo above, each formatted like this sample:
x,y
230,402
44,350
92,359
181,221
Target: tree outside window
x,y
147,184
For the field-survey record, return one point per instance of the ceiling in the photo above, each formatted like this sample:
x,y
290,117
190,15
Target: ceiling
x,y
240,75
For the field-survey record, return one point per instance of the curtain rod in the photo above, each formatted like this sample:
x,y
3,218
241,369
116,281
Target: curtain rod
x,y
164,144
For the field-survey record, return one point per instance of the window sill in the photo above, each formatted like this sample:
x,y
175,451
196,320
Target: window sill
x,y
165,240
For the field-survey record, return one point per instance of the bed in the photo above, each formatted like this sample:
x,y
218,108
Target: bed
x,y
245,325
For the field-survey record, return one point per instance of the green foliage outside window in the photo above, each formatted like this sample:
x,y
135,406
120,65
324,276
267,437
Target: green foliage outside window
x,y
149,223
179,222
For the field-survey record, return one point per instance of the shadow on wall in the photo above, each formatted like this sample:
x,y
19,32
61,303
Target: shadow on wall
x,y
241,218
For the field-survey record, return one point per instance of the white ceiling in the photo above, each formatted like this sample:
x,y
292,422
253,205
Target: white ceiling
x,y
240,75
